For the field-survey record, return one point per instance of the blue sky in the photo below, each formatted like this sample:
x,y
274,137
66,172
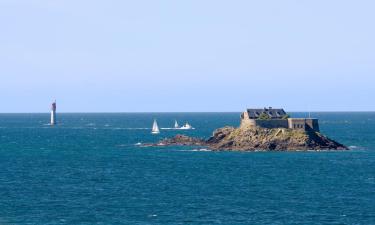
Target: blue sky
x,y
212,55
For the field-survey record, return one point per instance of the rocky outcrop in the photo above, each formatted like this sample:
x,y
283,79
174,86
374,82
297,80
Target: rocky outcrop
x,y
182,140
279,139
256,138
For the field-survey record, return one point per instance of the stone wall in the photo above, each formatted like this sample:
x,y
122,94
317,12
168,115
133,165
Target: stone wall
x,y
246,121
313,124
274,123
297,123
303,124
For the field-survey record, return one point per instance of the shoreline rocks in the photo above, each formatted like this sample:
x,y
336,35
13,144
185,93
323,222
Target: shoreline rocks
x,y
257,139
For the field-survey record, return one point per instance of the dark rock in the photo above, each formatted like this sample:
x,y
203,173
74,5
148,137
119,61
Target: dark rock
x,y
182,140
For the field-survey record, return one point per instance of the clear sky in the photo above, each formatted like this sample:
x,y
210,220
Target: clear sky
x,y
195,55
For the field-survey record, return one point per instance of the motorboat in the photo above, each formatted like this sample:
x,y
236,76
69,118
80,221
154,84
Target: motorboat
x,y
187,126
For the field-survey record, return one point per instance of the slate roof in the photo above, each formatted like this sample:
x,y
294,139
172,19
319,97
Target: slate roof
x,y
273,113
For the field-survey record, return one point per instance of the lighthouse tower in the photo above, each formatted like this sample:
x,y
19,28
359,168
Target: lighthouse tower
x,y
53,113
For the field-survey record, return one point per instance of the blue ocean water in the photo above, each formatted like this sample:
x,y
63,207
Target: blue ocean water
x,y
89,170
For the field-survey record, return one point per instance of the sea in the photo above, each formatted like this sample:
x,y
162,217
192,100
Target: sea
x,y
91,168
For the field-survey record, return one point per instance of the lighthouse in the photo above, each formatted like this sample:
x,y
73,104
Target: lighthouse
x,y
53,113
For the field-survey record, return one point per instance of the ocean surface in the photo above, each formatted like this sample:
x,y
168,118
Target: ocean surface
x,y
89,169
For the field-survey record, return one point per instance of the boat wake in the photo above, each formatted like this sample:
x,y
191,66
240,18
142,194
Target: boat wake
x,y
197,150
129,128
172,128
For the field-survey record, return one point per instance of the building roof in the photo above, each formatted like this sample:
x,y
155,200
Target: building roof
x,y
272,113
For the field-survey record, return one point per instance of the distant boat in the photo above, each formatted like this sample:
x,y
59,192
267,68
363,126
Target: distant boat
x,y
176,125
187,126
155,128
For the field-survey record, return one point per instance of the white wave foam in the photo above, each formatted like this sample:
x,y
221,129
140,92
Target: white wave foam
x,y
197,150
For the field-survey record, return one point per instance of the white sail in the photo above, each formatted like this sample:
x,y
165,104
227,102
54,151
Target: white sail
x,y
155,128
176,124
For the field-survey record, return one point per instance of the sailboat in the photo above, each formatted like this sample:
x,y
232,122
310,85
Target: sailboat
x,y
155,128
176,124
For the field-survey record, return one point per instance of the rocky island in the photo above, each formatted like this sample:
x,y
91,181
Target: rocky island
x,y
275,133
252,139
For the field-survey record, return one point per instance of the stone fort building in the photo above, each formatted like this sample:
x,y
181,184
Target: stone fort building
x,y
276,118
